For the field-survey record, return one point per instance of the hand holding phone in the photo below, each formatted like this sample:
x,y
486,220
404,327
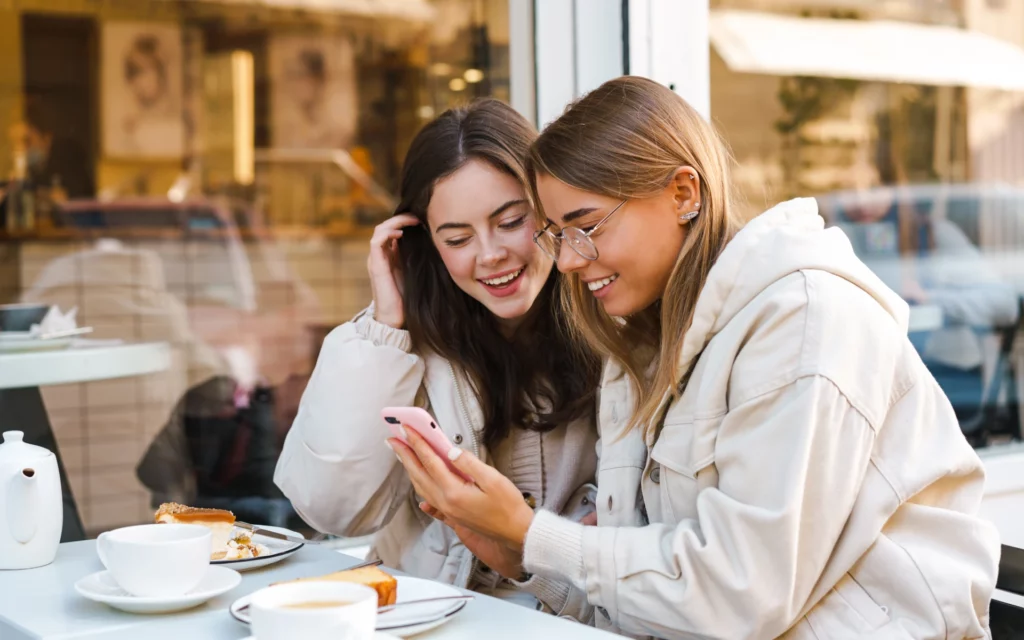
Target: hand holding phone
x,y
400,418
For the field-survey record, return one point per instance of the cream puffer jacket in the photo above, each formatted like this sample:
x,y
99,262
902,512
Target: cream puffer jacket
x,y
342,479
810,482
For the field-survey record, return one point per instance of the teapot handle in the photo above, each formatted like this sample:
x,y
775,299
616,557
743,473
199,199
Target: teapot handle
x,y
101,543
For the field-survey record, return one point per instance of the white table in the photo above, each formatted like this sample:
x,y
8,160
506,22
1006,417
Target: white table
x,y
82,362
21,404
42,604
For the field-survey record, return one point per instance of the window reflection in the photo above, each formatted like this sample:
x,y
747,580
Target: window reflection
x,y
923,243
918,161
206,174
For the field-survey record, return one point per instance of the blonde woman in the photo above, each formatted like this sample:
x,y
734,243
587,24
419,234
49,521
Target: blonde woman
x,y
775,460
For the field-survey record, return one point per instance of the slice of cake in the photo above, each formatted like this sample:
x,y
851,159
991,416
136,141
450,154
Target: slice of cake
x,y
382,582
218,521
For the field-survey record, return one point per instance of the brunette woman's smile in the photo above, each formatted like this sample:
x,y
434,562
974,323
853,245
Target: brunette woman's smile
x,y
504,283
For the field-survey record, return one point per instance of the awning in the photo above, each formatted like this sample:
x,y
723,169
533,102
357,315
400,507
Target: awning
x,y
880,50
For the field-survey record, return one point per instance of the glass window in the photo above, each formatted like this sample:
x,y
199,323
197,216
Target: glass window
x,y
920,164
206,174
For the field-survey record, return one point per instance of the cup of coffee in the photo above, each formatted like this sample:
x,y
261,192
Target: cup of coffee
x,y
156,560
314,611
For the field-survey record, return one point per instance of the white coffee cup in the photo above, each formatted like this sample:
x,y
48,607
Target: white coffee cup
x,y
314,611
156,560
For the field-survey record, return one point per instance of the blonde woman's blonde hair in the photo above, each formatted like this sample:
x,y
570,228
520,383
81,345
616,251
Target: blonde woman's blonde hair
x,y
625,140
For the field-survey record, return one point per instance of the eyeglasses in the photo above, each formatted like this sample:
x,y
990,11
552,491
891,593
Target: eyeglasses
x,y
551,243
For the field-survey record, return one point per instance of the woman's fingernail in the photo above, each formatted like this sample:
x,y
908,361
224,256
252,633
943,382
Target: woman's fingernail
x,y
454,453
404,434
388,445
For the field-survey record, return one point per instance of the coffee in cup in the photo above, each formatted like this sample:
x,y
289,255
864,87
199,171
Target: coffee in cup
x,y
318,604
314,611
156,560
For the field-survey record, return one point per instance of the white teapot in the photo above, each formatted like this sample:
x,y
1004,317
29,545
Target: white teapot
x,y
31,504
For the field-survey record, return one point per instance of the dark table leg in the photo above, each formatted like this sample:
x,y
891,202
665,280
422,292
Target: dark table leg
x,y
23,410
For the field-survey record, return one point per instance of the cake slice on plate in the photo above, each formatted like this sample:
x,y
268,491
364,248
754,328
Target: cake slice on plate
x,y
382,582
218,521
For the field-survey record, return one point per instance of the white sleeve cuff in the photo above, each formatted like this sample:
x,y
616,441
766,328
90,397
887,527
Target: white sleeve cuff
x,y
553,593
379,333
554,549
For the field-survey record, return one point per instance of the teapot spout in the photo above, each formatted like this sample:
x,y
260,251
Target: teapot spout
x,y
22,504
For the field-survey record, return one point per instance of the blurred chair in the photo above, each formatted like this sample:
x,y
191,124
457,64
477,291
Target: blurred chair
x,y
998,415
216,452
1007,620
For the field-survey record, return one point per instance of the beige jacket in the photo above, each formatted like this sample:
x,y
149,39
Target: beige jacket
x,y
342,479
810,482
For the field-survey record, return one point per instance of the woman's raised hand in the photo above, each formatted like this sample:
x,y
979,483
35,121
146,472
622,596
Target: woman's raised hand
x,y
385,270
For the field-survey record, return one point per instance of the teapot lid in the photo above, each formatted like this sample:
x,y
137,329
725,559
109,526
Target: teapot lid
x,y
14,448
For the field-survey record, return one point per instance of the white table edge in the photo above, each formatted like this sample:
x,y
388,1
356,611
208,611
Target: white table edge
x,y
82,364
484,616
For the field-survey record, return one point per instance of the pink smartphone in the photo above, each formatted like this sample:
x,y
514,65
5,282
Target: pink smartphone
x,y
425,426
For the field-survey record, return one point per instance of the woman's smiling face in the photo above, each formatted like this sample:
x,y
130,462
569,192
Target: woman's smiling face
x,y
637,247
482,225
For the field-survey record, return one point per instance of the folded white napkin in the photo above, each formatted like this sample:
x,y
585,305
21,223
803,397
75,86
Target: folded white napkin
x,y
54,321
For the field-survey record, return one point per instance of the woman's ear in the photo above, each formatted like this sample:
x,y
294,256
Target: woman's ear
x,y
684,188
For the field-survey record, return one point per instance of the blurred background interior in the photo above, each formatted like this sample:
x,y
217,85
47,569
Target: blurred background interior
x,y
206,173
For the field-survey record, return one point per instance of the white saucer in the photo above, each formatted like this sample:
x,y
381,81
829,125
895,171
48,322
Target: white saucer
x,y
404,621
100,587
277,550
377,636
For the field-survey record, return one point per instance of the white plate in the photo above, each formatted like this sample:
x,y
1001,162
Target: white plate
x,y
404,621
377,636
18,341
277,550
100,587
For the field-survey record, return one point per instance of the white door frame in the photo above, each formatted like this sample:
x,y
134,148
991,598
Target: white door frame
x,y
669,42
560,49
522,65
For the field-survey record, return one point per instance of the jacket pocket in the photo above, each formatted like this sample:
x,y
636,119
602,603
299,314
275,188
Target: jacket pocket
x,y
848,611
682,466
